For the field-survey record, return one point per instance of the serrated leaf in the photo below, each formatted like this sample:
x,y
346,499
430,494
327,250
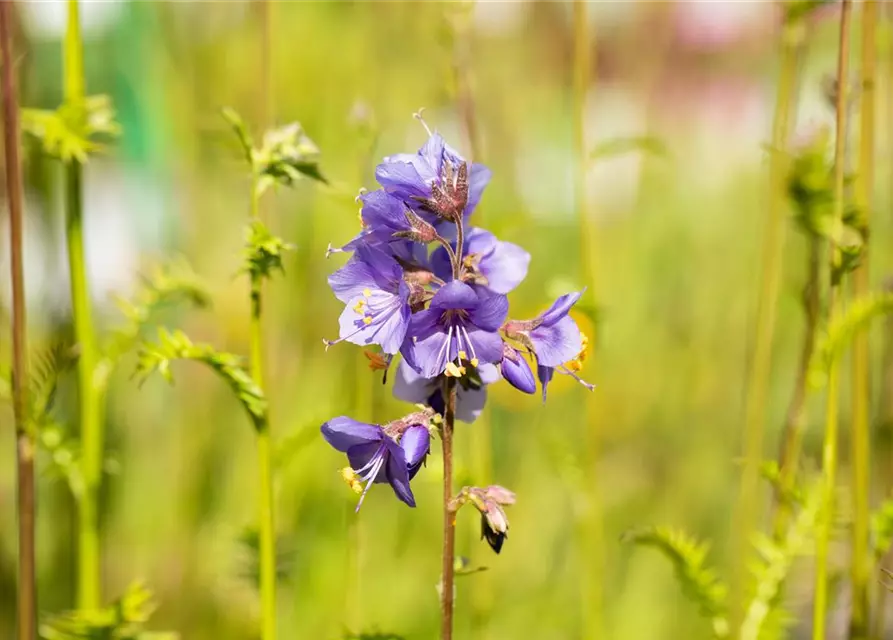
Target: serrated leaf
x,y
699,582
73,131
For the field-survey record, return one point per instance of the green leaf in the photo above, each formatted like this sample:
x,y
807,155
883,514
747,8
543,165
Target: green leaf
x,y
177,346
238,125
263,251
699,582
843,329
286,154
73,131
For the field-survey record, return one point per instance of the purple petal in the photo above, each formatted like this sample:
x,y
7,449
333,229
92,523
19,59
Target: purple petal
x,y
518,374
560,307
545,375
424,348
380,209
505,267
441,265
343,433
389,325
470,403
485,345
415,442
455,295
488,373
490,313
398,473
558,343
368,268
478,178
479,241
361,456
432,153
410,386
402,179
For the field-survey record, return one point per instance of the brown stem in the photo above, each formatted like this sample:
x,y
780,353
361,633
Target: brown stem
x,y
795,421
27,594
449,514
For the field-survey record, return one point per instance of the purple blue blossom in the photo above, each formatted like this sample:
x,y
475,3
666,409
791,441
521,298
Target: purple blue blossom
x,y
413,387
497,265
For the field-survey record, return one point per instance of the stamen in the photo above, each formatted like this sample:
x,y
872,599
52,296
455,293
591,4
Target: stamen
x,y
362,192
330,250
444,352
452,371
367,320
468,342
366,292
563,369
463,355
475,362
350,477
418,116
358,307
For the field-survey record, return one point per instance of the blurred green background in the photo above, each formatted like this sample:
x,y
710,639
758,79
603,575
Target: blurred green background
x,y
675,271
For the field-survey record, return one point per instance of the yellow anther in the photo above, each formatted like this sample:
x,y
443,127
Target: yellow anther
x,y
358,307
475,362
366,292
577,363
367,320
452,370
463,355
462,370
352,479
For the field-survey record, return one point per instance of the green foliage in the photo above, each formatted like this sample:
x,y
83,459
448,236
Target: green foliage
x,y
177,346
765,619
771,472
882,529
249,541
285,154
843,329
621,146
375,635
263,251
70,132
124,619
699,581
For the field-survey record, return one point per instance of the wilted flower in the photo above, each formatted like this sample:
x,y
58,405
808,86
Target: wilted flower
x,y
393,453
489,502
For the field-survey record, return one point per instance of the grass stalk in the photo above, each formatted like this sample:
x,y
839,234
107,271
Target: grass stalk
x,y
861,463
829,448
590,532
449,515
26,610
92,436
266,522
773,252
795,419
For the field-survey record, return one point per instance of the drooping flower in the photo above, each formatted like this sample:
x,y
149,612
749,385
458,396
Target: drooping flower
x,y
516,371
497,265
371,284
552,337
489,502
376,454
471,393
460,325
436,180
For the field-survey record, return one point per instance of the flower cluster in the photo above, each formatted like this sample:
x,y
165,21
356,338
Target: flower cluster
x,y
442,308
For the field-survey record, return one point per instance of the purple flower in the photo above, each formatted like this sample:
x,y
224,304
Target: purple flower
x,y
554,339
516,371
392,454
371,285
471,395
499,266
436,179
459,325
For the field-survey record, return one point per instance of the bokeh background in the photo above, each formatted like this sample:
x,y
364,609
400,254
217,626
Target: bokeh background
x,y
672,268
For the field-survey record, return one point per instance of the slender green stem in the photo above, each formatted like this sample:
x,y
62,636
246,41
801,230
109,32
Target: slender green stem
x,y
861,481
27,582
795,421
773,251
266,522
92,437
449,514
590,530
829,449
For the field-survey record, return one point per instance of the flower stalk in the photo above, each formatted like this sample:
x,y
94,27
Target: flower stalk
x,y
829,448
773,250
861,463
27,582
266,521
92,436
447,590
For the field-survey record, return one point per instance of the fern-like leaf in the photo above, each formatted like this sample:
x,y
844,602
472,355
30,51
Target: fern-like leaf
x,y
699,581
842,330
177,346
765,619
